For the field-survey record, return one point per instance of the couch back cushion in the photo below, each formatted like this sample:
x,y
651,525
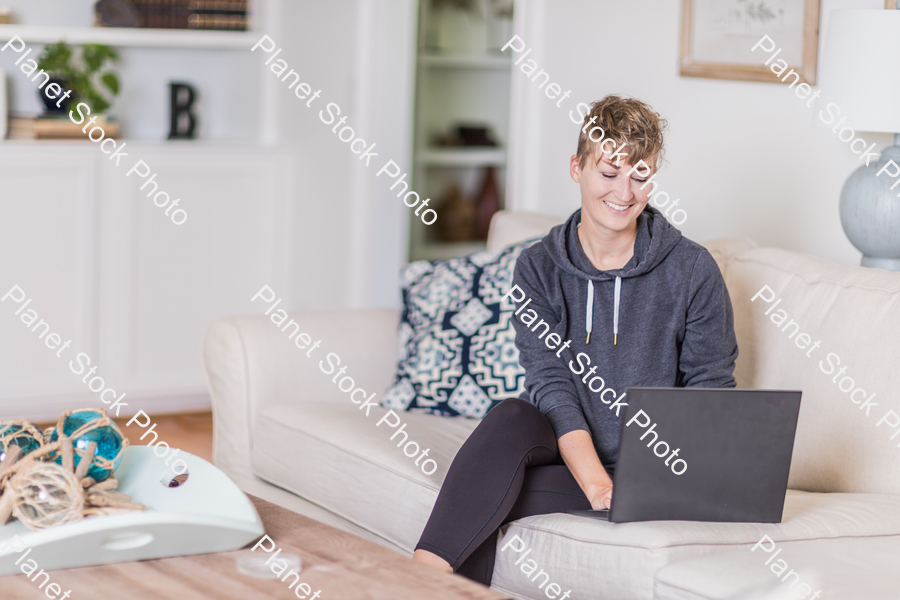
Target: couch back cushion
x,y
842,443
508,228
842,348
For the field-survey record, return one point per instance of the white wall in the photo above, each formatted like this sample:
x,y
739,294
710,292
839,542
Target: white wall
x,y
360,53
742,156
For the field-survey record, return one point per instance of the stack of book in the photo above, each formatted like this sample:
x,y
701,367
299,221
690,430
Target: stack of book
x,y
193,14
164,14
23,127
218,14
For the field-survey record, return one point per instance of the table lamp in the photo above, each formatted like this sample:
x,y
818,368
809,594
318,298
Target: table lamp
x,y
859,71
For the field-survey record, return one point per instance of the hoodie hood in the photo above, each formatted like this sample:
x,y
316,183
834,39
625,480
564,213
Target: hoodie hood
x,y
655,239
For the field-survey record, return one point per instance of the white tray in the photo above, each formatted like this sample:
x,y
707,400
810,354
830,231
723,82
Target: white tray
x,y
207,513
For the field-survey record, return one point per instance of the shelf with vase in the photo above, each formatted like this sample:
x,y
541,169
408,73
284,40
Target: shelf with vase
x,y
463,82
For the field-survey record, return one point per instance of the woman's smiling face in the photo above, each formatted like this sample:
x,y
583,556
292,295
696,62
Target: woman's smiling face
x,y
610,197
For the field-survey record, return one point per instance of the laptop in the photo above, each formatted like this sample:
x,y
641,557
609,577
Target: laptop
x,y
733,455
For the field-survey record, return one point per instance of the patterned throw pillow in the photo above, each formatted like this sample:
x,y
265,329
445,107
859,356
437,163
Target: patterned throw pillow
x,y
457,344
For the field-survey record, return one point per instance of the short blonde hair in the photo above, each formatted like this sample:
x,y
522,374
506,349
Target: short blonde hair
x,y
627,121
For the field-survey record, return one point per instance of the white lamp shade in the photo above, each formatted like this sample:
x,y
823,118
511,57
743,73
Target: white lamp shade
x,y
860,68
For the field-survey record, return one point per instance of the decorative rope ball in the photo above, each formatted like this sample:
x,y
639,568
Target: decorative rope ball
x,y
45,495
88,425
21,433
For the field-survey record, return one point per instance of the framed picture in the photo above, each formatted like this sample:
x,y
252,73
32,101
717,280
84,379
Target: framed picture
x,y
717,37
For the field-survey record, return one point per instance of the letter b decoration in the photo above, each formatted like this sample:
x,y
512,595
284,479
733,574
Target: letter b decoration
x,y
182,122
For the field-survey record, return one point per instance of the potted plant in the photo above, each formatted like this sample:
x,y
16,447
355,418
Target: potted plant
x,y
88,78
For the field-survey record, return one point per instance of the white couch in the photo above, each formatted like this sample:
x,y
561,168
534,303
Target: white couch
x,y
285,432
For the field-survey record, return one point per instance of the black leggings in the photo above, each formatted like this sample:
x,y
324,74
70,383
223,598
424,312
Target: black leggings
x,y
508,469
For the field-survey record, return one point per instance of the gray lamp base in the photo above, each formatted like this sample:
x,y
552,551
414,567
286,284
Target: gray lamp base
x,y
870,210
888,264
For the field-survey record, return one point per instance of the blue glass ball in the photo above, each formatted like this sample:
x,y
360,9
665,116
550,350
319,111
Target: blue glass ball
x,y
107,437
16,434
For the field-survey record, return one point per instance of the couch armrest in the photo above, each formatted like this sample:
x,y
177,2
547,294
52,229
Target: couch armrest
x,y
249,363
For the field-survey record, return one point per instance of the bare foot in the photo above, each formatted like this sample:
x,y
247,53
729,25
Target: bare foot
x,y
432,560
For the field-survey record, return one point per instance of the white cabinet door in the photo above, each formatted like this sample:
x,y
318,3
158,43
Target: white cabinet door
x,y
48,213
109,270
162,283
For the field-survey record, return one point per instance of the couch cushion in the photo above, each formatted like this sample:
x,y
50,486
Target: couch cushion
x,y
457,344
844,569
331,454
618,560
855,315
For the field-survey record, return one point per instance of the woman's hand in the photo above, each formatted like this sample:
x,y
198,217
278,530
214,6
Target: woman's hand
x,y
577,450
601,496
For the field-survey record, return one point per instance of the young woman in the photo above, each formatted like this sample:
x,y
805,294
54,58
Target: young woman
x,y
642,306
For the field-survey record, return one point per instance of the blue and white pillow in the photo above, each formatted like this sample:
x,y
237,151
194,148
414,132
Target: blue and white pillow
x,y
457,344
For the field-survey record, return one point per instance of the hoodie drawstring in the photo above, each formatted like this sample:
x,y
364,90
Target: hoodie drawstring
x,y
589,317
616,312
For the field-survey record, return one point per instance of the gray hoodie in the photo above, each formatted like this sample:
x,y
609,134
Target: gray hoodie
x,y
663,320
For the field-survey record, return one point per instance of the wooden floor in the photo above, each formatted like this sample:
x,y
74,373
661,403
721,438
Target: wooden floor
x,y
191,432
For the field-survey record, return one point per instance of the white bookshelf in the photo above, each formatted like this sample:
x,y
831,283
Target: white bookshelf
x,y
132,37
211,60
464,61
454,89
95,252
461,157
